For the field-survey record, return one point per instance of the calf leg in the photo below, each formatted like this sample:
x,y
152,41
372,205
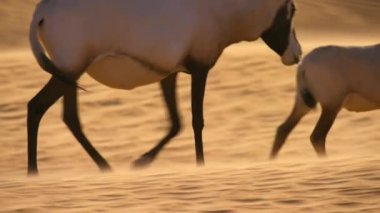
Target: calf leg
x,y
168,87
283,131
71,119
37,107
325,122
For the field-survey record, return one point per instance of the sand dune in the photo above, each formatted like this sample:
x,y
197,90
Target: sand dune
x,y
338,185
249,93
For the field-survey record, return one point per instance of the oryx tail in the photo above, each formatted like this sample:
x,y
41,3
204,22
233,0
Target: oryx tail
x,y
38,51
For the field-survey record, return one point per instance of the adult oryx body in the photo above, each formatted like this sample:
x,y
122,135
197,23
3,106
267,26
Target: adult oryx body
x,y
162,34
129,43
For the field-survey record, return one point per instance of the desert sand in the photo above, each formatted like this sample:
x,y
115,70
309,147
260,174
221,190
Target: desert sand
x,y
249,93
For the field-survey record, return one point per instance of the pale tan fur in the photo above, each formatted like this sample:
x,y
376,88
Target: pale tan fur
x,y
345,76
336,77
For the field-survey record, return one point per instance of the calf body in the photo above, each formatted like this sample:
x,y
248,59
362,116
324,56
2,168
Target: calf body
x,y
336,77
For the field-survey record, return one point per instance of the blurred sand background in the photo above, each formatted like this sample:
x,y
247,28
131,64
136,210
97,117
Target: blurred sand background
x,y
249,93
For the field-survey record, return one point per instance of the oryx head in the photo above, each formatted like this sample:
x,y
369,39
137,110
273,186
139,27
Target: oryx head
x,y
281,36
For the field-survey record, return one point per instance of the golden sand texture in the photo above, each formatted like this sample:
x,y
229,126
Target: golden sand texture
x,y
249,93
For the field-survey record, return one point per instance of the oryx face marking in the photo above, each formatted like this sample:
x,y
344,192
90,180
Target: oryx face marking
x,y
281,36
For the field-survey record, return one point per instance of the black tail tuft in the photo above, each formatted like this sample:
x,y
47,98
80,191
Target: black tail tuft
x,y
308,98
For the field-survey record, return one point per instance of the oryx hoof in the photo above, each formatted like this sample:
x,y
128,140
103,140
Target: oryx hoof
x,y
143,162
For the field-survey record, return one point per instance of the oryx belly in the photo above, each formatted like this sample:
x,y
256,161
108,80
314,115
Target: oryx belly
x,y
124,72
358,103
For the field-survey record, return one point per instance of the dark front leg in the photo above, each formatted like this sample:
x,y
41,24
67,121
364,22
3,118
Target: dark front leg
x,y
168,87
71,119
37,107
198,85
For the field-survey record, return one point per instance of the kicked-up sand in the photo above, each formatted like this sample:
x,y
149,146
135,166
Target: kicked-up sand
x,y
249,93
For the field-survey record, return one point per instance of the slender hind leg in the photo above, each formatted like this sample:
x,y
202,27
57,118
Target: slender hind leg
x,y
325,122
37,107
168,87
283,131
71,119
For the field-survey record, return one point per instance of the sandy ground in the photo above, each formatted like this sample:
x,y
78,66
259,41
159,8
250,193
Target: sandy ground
x,y
249,93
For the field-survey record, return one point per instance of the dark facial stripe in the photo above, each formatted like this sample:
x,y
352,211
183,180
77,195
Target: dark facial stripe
x,y
277,36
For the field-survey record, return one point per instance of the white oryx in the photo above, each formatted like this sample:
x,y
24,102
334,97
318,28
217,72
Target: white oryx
x,y
336,77
129,43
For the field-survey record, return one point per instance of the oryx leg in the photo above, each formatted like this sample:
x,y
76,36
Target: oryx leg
x,y
198,84
300,109
168,87
71,119
325,122
37,107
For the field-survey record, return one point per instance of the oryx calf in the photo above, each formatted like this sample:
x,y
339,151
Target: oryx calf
x,y
336,77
